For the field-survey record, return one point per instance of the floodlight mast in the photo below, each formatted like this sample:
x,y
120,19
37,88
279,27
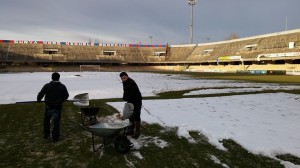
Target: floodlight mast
x,y
191,3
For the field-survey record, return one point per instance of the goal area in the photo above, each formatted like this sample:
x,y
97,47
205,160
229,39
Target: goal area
x,y
89,68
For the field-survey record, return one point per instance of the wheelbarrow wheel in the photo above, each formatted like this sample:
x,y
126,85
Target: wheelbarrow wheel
x,y
122,144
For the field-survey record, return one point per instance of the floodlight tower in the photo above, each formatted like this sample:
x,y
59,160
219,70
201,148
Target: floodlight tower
x,y
191,3
150,37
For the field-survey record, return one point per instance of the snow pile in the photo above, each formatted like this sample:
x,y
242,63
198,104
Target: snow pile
x,y
262,123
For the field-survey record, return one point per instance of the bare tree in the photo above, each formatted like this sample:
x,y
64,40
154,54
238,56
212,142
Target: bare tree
x,y
96,40
232,36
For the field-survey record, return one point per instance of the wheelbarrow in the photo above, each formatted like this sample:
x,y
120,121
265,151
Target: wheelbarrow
x,y
111,132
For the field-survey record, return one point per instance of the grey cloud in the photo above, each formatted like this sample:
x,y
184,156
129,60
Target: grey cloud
x,y
131,21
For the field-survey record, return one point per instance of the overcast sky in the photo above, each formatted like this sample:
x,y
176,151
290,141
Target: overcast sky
x,y
134,21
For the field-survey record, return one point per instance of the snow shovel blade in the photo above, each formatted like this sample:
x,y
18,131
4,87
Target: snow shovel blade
x,y
81,99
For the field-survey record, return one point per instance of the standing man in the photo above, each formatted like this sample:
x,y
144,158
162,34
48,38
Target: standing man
x,y
132,95
55,94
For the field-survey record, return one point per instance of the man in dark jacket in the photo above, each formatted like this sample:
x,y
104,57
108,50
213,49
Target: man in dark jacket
x,y
132,95
55,94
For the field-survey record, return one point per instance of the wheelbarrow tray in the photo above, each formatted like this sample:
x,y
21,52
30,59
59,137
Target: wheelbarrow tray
x,y
89,111
108,130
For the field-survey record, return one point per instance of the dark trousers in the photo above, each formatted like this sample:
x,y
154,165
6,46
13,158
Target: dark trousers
x,y
136,116
55,114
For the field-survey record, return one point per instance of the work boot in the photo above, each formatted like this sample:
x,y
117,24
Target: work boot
x,y
137,130
46,136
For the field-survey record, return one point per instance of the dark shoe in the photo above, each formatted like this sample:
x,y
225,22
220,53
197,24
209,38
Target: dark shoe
x,y
46,136
131,144
55,139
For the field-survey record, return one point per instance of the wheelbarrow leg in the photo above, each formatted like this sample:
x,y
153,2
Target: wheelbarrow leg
x,y
103,144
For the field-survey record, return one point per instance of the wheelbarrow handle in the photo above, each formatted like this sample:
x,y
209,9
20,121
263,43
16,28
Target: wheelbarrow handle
x,y
80,100
27,102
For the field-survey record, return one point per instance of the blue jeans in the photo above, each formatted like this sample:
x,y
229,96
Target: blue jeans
x,y
55,114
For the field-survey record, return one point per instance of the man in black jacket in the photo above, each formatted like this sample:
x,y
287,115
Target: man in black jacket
x,y
55,94
132,95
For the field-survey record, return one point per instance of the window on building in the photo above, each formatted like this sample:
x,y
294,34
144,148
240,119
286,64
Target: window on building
x,y
109,53
206,52
50,51
159,53
249,47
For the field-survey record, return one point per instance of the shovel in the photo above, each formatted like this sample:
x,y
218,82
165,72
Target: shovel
x,y
81,99
78,100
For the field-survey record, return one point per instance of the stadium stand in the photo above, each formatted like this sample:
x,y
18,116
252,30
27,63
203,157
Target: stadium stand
x,y
274,51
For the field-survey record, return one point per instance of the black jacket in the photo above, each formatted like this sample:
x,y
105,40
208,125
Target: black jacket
x,y
55,93
131,93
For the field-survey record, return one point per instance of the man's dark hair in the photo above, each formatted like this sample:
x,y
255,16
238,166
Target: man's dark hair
x,y
55,76
123,74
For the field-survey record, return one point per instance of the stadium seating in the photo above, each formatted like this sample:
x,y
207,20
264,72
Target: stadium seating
x,y
257,52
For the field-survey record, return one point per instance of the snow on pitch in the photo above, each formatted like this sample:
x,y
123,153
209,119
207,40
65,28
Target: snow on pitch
x,y
262,123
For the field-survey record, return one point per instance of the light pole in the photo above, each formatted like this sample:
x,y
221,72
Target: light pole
x,y
286,21
150,37
191,3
